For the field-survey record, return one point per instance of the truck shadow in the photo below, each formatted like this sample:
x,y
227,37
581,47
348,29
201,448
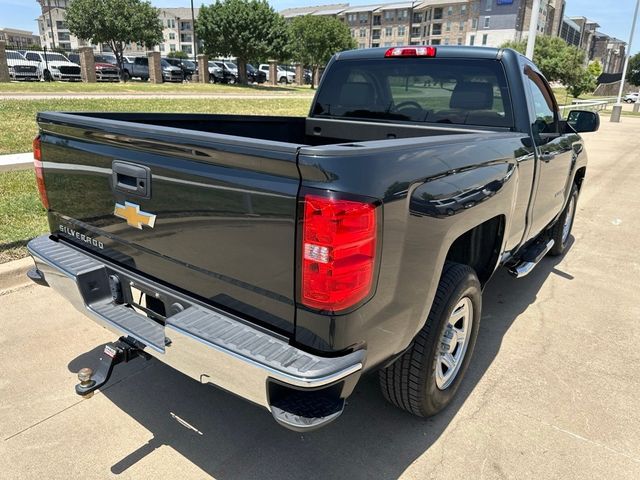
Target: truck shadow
x,y
230,438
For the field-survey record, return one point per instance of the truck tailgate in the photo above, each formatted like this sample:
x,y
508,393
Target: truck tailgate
x,y
215,217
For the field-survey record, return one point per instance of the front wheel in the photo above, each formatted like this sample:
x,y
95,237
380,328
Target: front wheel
x,y
562,228
425,378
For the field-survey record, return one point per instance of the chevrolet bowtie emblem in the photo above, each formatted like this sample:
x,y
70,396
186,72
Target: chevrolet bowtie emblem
x,y
134,217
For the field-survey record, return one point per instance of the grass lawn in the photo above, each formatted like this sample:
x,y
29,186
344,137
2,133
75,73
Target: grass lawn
x,y
21,215
133,87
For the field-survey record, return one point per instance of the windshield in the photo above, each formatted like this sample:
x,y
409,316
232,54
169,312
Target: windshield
x,y
449,91
14,56
106,59
230,66
164,63
250,68
188,64
56,57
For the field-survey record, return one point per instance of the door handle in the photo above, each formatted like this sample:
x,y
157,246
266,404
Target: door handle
x,y
131,179
548,156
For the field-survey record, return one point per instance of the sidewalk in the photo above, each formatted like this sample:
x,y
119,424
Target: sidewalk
x,y
16,161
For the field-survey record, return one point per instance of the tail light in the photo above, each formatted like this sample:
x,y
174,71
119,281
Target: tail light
x,y
411,52
338,252
37,165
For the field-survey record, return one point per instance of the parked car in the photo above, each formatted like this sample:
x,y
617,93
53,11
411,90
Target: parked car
x,y
283,75
228,76
254,75
631,97
22,69
55,66
281,258
187,66
105,72
140,68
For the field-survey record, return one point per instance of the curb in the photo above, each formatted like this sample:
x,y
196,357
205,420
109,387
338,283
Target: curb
x,y
14,274
16,161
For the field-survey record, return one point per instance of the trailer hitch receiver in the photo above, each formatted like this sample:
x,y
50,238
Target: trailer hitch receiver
x,y
120,351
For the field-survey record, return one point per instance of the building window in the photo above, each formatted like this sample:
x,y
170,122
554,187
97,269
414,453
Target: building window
x,y
415,31
403,15
171,23
172,47
459,41
461,26
376,20
436,29
361,46
449,11
61,25
463,9
401,31
437,13
487,5
484,39
486,22
363,32
446,41
162,47
364,18
448,27
426,31
172,36
388,32
185,25
474,24
376,35
417,18
387,44
186,49
388,15
186,37
435,42
472,40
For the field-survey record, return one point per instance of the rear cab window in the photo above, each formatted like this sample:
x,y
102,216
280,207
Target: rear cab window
x,y
420,90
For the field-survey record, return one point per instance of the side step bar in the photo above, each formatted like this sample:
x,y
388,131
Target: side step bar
x,y
530,259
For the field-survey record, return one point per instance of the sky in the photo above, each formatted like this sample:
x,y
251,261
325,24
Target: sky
x,y
614,18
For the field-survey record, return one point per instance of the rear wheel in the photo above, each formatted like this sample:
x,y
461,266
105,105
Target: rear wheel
x,y
561,230
426,377
283,80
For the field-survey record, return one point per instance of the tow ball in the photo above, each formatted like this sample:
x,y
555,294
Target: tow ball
x,y
121,351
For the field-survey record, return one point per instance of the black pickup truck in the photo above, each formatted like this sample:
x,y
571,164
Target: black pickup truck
x,y
281,258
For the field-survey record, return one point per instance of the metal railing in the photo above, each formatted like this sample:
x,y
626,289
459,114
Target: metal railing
x,y
593,104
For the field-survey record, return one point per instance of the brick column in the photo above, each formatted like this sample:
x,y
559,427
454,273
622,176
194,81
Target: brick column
x,y
155,69
299,74
4,67
87,65
203,68
273,72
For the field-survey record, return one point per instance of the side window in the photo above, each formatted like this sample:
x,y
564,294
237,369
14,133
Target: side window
x,y
33,56
546,120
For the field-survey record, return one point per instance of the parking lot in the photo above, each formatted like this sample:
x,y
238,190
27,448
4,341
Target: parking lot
x,y
551,392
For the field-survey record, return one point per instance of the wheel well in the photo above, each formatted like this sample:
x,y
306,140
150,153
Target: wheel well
x,y
579,177
479,247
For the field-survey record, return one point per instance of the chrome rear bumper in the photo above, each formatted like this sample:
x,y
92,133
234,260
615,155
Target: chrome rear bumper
x,y
206,344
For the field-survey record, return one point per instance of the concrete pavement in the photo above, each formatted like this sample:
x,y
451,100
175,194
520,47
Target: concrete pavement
x,y
162,96
551,392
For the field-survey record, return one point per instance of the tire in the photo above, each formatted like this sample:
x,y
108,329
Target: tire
x,y
283,80
561,230
414,382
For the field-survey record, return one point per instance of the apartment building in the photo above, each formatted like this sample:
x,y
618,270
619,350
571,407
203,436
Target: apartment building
x,y
177,30
19,38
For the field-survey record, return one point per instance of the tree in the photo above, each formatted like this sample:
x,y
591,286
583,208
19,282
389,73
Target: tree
x,y
178,54
115,22
245,29
557,60
633,70
586,80
315,38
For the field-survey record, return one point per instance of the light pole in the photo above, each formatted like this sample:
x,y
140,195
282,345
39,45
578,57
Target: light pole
x,y
617,108
193,26
533,28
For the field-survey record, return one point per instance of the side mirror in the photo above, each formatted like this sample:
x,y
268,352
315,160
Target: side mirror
x,y
583,120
